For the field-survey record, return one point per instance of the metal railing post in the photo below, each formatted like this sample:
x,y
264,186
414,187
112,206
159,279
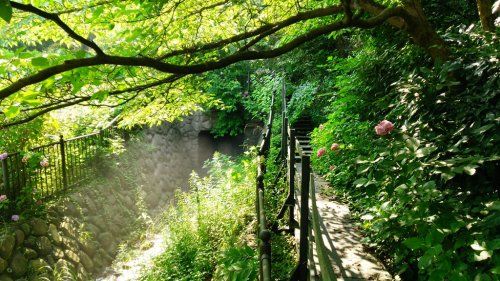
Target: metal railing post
x,y
101,137
63,162
304,218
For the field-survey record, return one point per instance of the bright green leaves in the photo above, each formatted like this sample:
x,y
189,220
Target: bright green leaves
x,y
21,101
5,10
40,62
100,95
414,243
30,99
12,111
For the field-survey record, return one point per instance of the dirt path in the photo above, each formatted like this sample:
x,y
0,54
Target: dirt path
x,y
350,259
348,255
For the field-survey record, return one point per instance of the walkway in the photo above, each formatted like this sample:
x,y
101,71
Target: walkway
x,y
350,259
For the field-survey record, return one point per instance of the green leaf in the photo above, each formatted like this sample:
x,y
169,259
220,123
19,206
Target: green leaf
x,y
100,95
483,129
32,102
434,237
494,244
360,182
40,62
493,206
414,243
425,261
12,111
496,270
477,247
5,10
484,255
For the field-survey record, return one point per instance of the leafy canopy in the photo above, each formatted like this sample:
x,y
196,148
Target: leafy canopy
x,y
139,56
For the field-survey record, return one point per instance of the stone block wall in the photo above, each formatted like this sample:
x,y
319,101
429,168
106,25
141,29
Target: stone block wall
x,y
81,232
77,238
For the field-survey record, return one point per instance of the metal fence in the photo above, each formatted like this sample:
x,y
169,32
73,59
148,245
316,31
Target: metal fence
x,y
49,169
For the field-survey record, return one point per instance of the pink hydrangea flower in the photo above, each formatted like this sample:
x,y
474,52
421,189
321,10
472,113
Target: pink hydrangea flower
x,y
3,197
44,163
335,146
4,156
15,217
321,152
384,127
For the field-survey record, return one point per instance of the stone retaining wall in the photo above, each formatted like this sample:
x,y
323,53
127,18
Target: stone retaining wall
x,y
81,233
78,237
180,148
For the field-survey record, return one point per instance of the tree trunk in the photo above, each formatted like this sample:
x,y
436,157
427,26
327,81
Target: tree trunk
x,y
423,33
484,8
416,24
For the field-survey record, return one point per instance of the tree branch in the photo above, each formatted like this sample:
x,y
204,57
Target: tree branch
x,y
195,68
55,18
322,12
73,10
46,110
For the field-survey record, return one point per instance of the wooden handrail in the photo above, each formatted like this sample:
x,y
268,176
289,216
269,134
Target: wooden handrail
x,y
327,273
264,234
309,214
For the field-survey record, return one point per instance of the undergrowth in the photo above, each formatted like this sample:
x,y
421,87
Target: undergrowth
x,y
210,230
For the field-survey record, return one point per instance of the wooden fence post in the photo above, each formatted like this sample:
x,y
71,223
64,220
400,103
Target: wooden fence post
x,y
291,184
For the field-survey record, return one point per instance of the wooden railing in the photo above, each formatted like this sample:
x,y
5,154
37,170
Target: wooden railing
x,y
309,218
264,234
310,221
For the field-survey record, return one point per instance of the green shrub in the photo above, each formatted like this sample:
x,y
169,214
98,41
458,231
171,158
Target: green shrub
x,y
207,229
427,193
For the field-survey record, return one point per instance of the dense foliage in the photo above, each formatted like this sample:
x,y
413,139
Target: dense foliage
x,y
427,191
423,184
207,229
426,194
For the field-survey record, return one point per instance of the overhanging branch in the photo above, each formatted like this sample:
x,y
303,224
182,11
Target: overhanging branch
x,y
80,100
265,29
241,55
55,18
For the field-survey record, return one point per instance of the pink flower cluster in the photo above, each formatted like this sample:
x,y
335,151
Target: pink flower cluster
x,y
15,217
335,146
384,127
3,197
321,152
3,156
